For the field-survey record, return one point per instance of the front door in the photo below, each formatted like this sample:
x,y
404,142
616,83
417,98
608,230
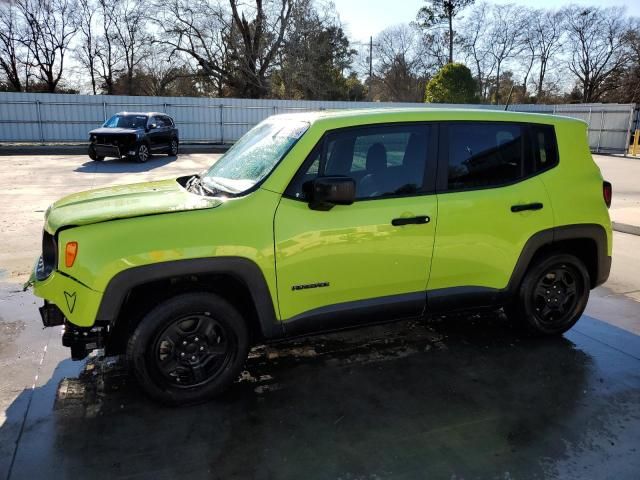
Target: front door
x,y
371,257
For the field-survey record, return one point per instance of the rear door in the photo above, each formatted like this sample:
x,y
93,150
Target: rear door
x,y
157,133
168,130
490,202
354,262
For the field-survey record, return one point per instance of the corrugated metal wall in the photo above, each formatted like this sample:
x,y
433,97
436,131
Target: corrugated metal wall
x,y
42,117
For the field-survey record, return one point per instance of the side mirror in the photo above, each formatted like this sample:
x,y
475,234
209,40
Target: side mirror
x,y
326,192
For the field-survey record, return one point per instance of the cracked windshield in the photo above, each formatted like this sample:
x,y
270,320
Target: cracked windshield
x,y
254,155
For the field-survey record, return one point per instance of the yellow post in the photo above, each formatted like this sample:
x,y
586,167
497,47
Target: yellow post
x,y
635,144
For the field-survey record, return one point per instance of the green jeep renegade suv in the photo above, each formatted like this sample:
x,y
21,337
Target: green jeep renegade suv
x,y
321,221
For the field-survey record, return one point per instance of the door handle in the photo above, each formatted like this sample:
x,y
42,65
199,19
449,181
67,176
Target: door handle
x,y
420,220
526,206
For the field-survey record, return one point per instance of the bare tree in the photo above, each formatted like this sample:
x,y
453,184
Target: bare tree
x,y
108,61
255,41
546,28
49,26
402,67
198,29
235,47
505,38
87,51
475,44
130,36
597,48
9,45
529,54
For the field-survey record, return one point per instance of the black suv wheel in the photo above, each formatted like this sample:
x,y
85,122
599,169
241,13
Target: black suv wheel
x,y
93,155
173,148
553,295
143,153
188,349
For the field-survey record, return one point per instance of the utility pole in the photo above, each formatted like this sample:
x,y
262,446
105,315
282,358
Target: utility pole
x,y
371,45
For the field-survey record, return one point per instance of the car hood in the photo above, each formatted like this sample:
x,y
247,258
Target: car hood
x,y
113,131
124,201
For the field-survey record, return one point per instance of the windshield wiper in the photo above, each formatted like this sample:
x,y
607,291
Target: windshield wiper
x,y
196,185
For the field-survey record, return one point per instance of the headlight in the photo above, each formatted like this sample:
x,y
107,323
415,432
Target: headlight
x,y
48,260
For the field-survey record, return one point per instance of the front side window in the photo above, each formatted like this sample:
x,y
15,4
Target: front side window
x,y
485,154
384,161
254,156
126,121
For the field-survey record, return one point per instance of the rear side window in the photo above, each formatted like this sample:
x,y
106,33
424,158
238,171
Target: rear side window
x,y
168,122
157,121
545,148
485,154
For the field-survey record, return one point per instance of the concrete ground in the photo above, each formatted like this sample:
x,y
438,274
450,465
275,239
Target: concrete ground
x,y
624,174
458,397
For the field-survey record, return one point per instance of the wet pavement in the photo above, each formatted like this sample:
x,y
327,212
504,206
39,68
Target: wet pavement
x,y
460,398
457,397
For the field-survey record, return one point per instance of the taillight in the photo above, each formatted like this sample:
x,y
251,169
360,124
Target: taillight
x,y
607,193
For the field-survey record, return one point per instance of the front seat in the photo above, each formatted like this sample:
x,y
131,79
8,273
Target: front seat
x,y
373,183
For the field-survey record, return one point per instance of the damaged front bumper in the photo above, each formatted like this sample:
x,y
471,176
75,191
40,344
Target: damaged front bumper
x,y
81,340
70,303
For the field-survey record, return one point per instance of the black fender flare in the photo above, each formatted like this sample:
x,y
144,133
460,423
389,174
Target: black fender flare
x,y
589,231
240,268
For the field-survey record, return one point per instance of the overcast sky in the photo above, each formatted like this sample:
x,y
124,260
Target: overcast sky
x,y
363,18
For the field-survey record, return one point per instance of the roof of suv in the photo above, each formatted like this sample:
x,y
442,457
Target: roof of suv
x,y
430,114
148,114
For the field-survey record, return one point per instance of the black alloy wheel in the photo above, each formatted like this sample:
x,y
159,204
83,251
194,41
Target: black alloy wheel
x,y
173,148
188,348
193,350
552,296
556,295
143,153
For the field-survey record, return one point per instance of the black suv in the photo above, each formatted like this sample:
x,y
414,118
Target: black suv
x,y
134,135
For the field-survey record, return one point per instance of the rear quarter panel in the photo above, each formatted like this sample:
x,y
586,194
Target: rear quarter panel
x,y
575,185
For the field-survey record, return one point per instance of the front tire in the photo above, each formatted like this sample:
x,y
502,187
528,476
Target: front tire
x,y
552,296
93,155
143,153
188,349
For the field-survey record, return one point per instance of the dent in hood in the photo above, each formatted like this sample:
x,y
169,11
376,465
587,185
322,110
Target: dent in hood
x,y
124,201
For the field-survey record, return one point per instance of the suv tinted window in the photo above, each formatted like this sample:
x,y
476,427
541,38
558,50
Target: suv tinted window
x,y
384,161
545,150
485,154
168,122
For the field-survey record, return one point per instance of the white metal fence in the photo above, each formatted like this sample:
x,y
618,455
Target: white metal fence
x,y
62,118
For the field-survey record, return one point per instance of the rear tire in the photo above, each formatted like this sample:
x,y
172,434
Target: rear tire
x,y
173,148
552,296
188,349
